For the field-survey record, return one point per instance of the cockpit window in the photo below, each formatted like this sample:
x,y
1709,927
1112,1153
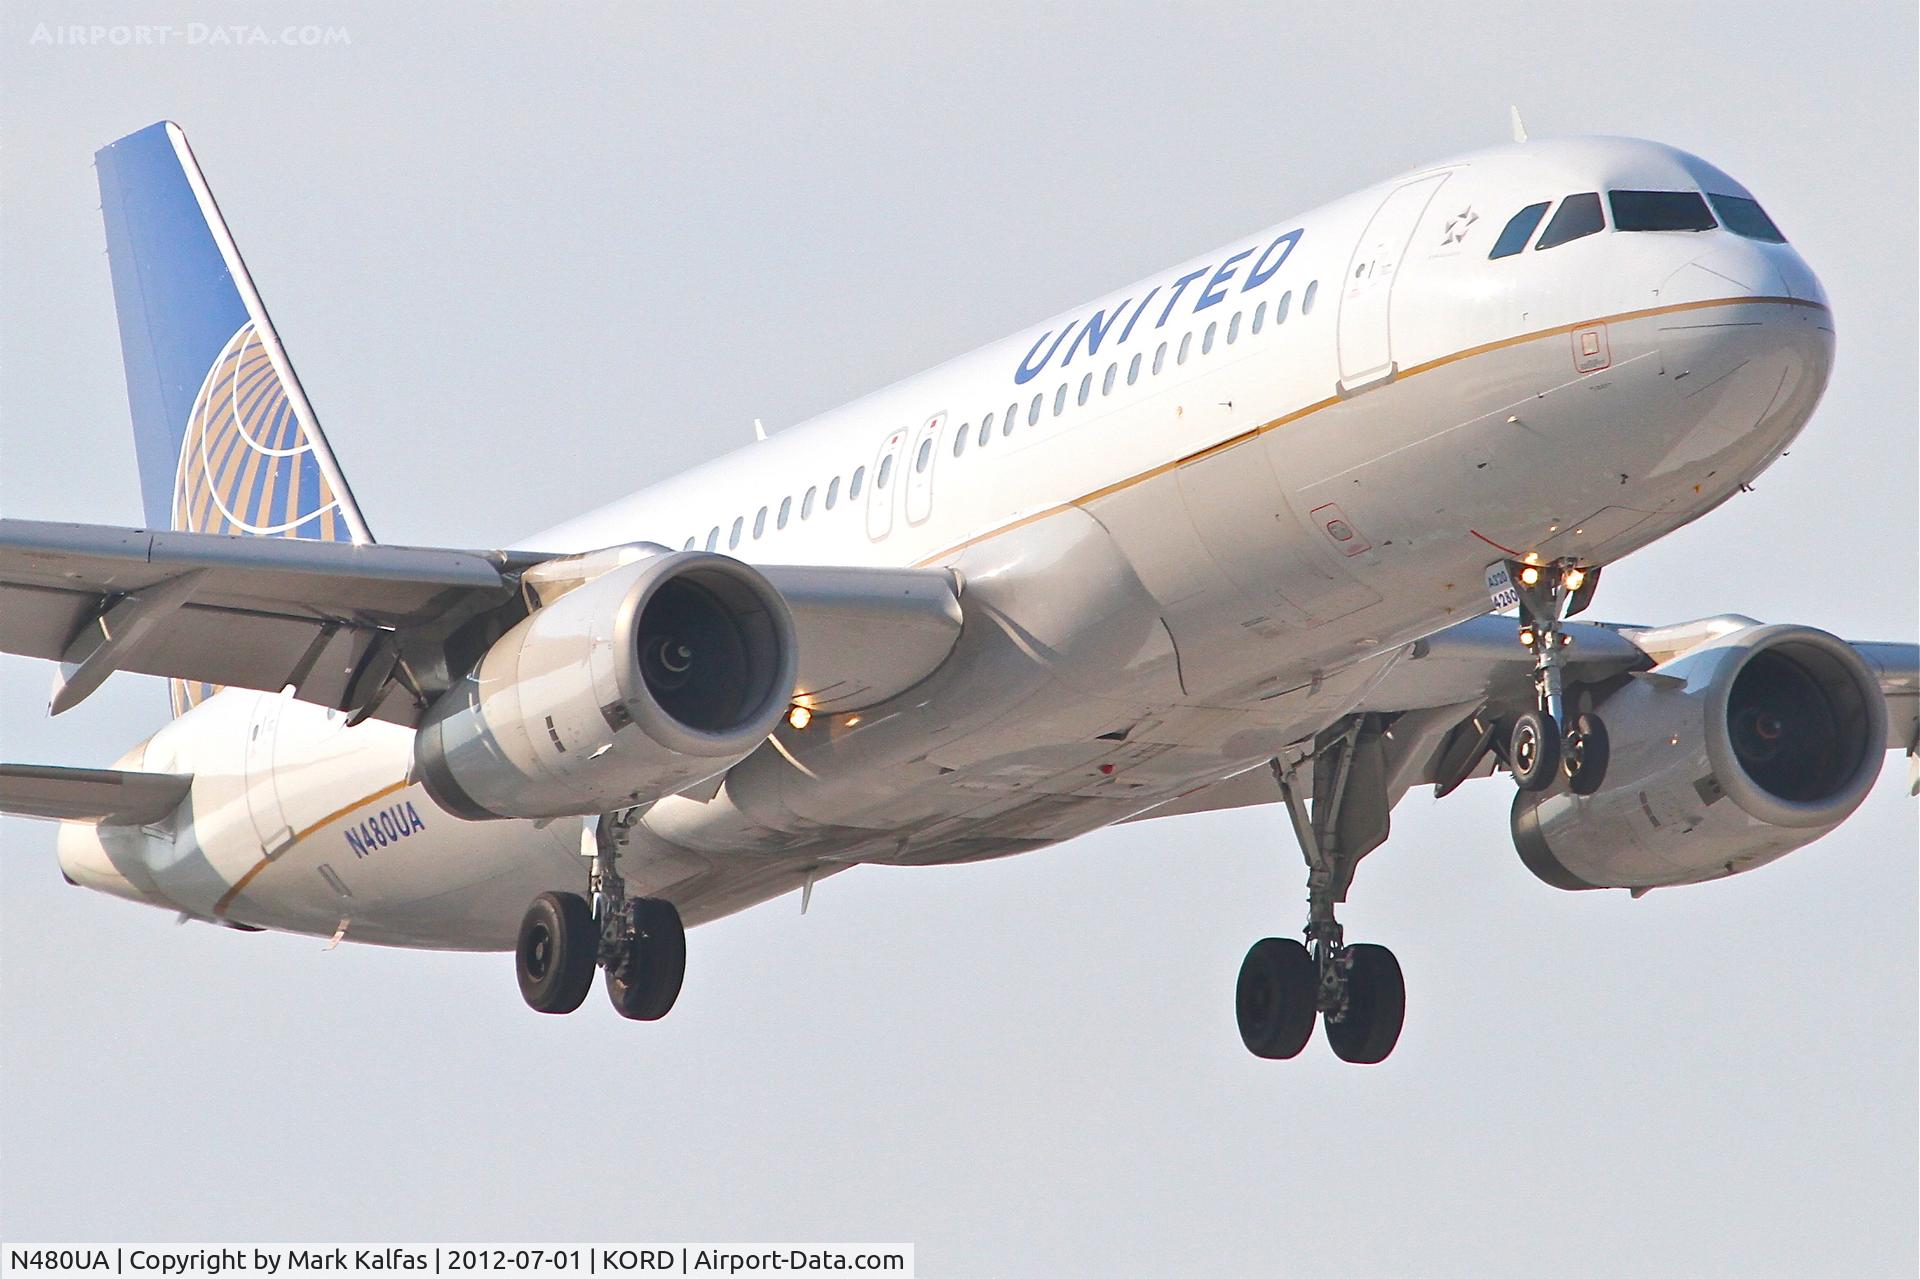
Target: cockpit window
x,y
1660,211
1745,217
1577,215
1518,231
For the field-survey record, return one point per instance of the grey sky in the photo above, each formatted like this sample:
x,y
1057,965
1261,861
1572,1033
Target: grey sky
x,y
526,263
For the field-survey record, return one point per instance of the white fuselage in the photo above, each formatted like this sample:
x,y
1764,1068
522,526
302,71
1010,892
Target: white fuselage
x,y
1184,545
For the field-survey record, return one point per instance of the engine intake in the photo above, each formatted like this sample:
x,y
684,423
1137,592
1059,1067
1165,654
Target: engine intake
x,y
651,677
1727,757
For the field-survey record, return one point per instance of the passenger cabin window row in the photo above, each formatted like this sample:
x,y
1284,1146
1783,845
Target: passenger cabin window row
x,y
1136,368
1579,216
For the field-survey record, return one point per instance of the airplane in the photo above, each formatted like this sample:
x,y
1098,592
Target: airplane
x,y
1301,521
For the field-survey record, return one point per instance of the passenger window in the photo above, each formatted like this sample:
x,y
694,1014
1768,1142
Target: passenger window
x,y
1186,344
986,430
1519,229
713,537
1745,217
1133,370
1280,308
760,522
1033,409
924,456
1206,342
1060,400
688,546
1233,328
1007,422
1306,299
1160,359
1259,316
1106,383
1086,389
786,509
960,438
1660,211
859,480
733,538
886,474
833,491
1577,216
806,503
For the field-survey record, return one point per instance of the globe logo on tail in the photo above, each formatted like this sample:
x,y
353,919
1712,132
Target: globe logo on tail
x,y
247,465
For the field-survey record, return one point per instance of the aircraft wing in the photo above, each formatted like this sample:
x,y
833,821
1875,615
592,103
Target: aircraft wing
x,y
1475,673
344,624
328,618
105,795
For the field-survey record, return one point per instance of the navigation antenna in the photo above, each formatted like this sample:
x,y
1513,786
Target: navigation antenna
x,y
1519,125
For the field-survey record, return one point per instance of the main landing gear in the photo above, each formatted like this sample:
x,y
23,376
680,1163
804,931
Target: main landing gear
x,y
1356,990
1543,741
640,942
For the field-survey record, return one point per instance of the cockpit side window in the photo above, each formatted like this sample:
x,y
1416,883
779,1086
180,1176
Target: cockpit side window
x,y
1519,230
1745,217
1660,211
1578,215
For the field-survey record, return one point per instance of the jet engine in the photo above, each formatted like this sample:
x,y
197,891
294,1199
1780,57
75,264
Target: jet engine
x,y
1724,758
640,682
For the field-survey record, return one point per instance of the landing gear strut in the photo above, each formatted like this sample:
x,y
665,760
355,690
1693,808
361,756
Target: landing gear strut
x,y
639,941
1356,990
1544,742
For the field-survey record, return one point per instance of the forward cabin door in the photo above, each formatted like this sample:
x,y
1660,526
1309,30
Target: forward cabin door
x,y
1366,351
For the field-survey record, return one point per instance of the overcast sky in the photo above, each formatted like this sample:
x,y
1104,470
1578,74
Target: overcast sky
x,y
528,264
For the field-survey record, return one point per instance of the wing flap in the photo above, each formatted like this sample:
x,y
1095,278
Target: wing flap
x,y
263,612
112,797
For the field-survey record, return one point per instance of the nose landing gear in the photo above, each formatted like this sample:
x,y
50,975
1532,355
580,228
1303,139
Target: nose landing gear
x,y
640,942
1356,990
1543,742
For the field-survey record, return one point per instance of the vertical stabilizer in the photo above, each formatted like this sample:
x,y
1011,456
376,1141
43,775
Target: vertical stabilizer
x,y
226,440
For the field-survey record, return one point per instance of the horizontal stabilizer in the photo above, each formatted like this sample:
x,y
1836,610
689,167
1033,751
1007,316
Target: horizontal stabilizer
x,y
110,796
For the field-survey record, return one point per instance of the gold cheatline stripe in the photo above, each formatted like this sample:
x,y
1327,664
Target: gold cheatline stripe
x,y
239,885
1330,401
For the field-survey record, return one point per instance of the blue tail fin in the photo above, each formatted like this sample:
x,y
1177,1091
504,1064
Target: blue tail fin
x,y
227,442
226,439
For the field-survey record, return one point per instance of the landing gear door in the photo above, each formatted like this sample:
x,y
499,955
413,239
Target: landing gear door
x,y
921,464
1366,353
883,483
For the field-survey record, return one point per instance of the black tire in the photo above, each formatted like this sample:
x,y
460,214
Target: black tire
x,y
1274,1000
645,987
1585,754
1533,750
554,957
1376,1007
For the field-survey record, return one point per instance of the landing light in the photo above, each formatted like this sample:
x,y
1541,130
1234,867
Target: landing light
x,y
1529,575
1526,636
799,717
1574,579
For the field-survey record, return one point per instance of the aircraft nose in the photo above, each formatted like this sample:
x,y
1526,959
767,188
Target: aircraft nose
x,y
1725,267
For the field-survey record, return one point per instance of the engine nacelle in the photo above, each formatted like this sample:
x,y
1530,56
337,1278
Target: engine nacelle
x,y
654,676
1726,757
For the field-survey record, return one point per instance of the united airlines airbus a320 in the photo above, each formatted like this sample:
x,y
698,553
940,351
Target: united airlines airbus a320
x,y
1241,532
